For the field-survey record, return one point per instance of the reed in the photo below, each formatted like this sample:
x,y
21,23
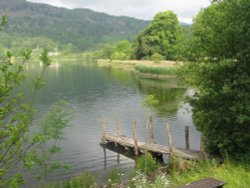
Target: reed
x,y
156,70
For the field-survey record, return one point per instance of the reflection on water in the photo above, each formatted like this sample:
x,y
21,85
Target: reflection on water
x,y
94,93
167,92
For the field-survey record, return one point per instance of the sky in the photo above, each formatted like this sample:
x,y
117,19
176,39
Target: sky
x,y
141,9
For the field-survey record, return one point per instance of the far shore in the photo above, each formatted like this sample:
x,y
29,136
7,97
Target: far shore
x,y
130,65
108,62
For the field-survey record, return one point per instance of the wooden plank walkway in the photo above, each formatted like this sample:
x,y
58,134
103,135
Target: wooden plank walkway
x,y
152,148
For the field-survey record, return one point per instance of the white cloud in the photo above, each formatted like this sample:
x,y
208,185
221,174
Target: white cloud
x,y
142,9
185,20
57,3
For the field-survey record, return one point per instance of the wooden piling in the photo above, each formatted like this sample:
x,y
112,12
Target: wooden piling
x,y
151,129
169,131
135,137
105,157
202,152
116,144
118,158
187,142
103,128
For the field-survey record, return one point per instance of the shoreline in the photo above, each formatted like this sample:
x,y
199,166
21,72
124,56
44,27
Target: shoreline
x,y
162,70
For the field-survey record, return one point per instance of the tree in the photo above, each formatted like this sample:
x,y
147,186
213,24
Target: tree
x,y
221,106
50,130
121,50
183,47
3,22
17,143
159,37
222,30
107,51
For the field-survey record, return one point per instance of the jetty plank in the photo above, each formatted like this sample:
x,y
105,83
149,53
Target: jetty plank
x,y
150,147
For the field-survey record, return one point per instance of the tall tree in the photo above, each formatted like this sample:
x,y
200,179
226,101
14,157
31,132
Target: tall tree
x,y
221,106
159,37
222,30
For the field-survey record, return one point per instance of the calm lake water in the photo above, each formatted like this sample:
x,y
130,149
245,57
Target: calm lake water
x,y
94,93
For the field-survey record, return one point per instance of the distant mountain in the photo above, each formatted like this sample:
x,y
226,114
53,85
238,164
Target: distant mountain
x,y
83,28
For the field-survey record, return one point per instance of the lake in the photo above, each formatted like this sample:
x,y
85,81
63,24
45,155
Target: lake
x,y
94,93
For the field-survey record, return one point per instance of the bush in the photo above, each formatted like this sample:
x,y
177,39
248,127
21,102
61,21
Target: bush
x,y
119,56
157,58
114,177
146,164
83,180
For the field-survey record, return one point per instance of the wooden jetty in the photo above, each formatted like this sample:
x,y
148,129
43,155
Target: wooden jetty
x,y
155,149
143,147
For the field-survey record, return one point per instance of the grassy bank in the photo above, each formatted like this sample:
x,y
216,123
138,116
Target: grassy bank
x,y
234,175
147,174
148,68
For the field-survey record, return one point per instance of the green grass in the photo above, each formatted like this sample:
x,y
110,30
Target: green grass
x,y
83,180
235,175
114,177
140,180
156,70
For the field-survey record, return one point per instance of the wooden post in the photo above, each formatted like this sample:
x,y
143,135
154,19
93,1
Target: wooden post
x,y
151,129
118,158
135,137
116,144
170,140
202,152
105,157
103,129
187,142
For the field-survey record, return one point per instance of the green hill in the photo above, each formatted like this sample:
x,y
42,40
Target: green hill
x,y
80,28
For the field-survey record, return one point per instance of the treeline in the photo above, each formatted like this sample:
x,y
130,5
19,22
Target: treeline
x,y
83,30
163,39
13,43
76,30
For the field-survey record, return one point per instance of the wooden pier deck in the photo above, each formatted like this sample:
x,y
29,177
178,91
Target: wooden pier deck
x,y
142,147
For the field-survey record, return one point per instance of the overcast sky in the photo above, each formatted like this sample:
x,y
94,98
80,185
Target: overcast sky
x,y
142,9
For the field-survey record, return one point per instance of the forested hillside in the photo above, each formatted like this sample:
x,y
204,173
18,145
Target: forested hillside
x,y
78,28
